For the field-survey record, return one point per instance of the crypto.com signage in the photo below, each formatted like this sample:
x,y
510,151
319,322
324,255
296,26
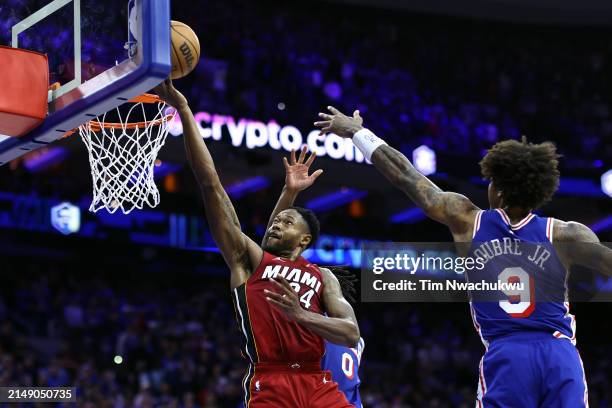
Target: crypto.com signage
x,y
253,134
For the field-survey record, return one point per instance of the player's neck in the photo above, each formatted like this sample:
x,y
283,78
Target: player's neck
x,y
291,255
516,214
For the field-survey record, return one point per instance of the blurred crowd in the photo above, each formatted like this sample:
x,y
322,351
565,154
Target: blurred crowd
x,y
126,338
455,84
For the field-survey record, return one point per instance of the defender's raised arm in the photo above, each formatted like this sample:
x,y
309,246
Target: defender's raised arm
x,y
240,253
452,209
296,180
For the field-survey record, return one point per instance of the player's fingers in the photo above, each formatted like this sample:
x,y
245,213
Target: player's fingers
x,y
292,156
325,116
323,123
278,296
313,155
334,110
302,154
285,163
316,174
278,284
325,130
277,303
356,114
282,282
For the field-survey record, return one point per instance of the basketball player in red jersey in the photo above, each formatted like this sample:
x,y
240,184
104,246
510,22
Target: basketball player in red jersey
x,y
279,296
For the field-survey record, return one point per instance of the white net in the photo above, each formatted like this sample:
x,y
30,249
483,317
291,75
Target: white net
x,y
122,157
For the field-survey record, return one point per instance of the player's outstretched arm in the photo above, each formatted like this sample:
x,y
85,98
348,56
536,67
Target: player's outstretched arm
x,y
577,244
452,209
296,180
240,252
339,326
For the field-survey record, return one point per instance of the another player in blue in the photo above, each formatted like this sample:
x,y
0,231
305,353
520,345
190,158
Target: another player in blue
x,y
343,362
531,359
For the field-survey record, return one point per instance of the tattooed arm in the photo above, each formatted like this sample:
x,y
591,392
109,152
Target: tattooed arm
x,y
451,209
577,244
241,254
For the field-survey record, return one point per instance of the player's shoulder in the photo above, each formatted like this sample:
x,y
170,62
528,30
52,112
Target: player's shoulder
x,y
327,274
572,231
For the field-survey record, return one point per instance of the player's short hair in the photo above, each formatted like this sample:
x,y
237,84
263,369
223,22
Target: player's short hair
x,y
313,223
526,174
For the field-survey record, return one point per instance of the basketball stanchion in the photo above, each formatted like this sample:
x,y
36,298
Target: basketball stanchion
x,y
122,154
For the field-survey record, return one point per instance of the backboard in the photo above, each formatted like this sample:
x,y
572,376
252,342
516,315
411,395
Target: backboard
x,y
101,53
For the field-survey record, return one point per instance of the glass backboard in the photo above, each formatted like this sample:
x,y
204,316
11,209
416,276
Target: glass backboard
x,y
102,53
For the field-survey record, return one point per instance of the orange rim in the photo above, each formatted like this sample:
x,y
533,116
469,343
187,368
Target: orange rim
x,y
95,126
144,98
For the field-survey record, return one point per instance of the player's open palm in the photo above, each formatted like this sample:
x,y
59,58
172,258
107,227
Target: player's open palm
x,y
296,171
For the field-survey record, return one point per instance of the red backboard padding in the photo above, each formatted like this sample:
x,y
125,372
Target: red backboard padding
x,y
24,76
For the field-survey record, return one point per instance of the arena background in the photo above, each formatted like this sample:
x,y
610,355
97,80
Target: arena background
x,y
151,288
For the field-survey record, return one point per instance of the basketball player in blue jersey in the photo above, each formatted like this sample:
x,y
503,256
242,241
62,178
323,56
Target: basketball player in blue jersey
x,y
343,362
530,358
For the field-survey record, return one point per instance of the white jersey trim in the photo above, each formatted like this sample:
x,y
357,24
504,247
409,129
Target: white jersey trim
x,y
477,326
477,223
550,225
519,224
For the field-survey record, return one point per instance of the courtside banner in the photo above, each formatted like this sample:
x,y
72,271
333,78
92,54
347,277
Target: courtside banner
x,y
507,271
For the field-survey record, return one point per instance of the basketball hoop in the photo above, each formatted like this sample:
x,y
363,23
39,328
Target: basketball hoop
x,y
122,154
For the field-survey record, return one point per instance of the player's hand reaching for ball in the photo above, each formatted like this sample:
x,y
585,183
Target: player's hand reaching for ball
x,y
286,299
168,93
296,171
338,123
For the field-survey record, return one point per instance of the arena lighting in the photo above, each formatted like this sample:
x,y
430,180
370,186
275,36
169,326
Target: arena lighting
x,y
250,185
336,199
606,183
254,134
602,225
118,360
424,160
162,169
45,157
577,186
336,250
567,186
409,216
66,218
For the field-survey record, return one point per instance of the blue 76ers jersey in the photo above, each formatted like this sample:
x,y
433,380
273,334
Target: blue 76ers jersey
x,y
519,253
343,362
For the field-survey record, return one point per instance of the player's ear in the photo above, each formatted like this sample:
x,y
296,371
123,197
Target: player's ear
x,y
306,238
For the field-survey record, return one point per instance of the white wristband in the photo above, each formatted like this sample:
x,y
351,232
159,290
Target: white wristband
x,y
367,142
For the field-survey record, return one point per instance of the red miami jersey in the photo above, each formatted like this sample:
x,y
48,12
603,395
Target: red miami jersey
x,y
270,336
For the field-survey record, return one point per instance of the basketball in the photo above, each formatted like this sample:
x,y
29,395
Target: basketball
x,y
185,49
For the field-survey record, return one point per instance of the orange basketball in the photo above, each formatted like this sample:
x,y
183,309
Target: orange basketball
x,y
185,49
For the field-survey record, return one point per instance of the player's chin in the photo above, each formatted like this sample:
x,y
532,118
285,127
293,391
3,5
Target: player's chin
x,y
272,245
